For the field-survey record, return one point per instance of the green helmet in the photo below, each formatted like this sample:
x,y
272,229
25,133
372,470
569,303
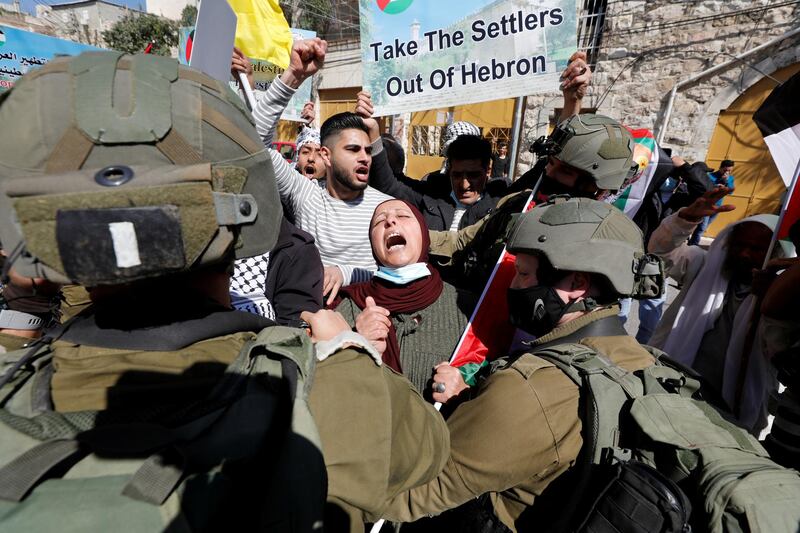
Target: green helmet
x,y
122,168
584,235
595,144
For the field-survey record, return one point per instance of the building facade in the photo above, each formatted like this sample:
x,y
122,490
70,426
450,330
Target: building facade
x,y
170,9
722,58
83,21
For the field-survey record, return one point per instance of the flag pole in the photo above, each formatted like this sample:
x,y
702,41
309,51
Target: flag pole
x,y
250,97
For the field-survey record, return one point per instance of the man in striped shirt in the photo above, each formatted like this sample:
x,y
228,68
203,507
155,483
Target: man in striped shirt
x,y
337,211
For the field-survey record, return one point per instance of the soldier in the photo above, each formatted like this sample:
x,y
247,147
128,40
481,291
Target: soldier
x,y
523,443
586,156
160,407
573,261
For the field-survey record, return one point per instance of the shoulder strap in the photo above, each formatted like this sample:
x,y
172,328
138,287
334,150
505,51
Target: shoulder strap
x,y
605,389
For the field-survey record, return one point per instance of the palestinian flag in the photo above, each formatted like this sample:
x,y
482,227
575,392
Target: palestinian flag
x,y
778,118
654,164
489,333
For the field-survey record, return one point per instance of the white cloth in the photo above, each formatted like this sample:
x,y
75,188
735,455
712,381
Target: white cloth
x,y
325,349
698,306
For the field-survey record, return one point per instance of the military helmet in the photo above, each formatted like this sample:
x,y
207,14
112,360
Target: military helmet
x,y
595,144
116,168
584,235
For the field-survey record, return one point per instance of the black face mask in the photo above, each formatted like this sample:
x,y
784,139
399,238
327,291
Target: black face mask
x,y
536,309
550,187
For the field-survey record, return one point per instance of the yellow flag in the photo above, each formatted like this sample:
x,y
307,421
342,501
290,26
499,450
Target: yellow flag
x,y
262,31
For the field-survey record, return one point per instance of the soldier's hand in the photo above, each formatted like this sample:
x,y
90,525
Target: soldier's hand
x,y
576,77
706,205
305,60
325,324
240,63
373,324
331,283
447,383
678,161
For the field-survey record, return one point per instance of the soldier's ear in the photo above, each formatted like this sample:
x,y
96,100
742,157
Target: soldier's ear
x,y
581,281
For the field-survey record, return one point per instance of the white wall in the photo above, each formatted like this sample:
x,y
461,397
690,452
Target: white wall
x,y
170,9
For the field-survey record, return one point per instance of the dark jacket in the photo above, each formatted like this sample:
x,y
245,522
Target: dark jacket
x,y
294,276
437,209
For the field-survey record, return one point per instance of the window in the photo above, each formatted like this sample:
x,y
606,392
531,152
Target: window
x,y
498,135
426,140
590,28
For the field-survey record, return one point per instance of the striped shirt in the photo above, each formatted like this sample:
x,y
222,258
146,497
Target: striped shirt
x,y
340,228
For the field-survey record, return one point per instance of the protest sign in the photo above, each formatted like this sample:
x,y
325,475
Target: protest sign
x,y
425,55
212,43
22,50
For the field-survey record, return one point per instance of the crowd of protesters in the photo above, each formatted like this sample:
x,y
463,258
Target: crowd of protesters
x,y
375,267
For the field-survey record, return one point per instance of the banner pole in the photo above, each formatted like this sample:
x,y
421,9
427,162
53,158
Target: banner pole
x,y
248,91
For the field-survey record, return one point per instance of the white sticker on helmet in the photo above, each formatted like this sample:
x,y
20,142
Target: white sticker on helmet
x,y
126,247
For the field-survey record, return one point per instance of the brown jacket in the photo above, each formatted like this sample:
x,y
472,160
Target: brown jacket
x,y
520,432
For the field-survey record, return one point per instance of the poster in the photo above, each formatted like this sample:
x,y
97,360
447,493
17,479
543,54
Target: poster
x,y
215,29
420,54
22,50
263,72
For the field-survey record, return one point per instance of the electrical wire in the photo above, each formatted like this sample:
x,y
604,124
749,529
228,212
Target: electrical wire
x,y
697,20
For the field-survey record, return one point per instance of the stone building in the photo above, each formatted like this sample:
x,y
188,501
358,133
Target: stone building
x,y
83,21
11,14
170,9
645,48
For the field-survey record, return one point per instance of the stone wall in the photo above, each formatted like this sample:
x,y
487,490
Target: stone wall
x,y
650,45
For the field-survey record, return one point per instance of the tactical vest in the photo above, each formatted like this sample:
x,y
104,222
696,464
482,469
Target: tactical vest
x,y
247,458
652,445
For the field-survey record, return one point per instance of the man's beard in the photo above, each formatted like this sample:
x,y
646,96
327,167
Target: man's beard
x,y
344,179
735,270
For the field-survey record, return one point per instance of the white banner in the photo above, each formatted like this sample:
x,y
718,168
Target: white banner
x,y
421,54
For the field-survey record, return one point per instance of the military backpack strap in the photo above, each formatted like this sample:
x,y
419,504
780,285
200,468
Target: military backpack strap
x,y
21,475
163,471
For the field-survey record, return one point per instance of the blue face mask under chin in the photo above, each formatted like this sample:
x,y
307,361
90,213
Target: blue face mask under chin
x,y
403,275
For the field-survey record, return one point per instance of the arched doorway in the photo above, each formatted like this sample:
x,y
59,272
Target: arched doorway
x,y
759,187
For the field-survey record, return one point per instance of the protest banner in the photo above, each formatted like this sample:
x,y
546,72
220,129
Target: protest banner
x,y
262,31
212,44
424,55
22,50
